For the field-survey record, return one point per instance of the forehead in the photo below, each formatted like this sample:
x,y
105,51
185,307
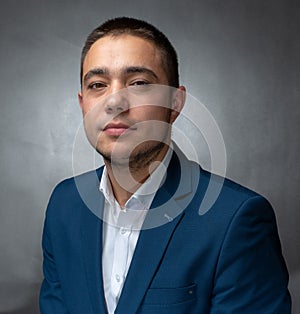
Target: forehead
x,y
121,50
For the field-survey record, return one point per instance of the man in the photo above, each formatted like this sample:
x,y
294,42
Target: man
x,y
128,238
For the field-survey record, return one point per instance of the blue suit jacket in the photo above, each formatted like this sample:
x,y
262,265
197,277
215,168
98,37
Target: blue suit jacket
x,y
228,260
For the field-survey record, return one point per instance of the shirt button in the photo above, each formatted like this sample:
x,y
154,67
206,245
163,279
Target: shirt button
x,y
123,231
118,278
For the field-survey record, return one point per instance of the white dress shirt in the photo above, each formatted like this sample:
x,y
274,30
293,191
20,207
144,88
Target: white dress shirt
x,y
121,229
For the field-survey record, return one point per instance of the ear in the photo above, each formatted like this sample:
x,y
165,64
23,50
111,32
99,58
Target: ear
x,y
178,101
80,100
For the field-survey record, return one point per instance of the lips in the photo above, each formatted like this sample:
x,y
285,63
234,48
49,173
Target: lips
x,y
116,129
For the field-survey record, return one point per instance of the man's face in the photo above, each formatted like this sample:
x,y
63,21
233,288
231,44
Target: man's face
x,y
124,115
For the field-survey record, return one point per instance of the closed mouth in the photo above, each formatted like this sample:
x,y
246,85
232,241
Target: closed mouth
x,y
117,129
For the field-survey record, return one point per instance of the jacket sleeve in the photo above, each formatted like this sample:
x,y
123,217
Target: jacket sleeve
x,y
51,296
251,275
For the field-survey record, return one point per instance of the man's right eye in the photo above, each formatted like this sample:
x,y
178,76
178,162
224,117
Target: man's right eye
x,y
96,85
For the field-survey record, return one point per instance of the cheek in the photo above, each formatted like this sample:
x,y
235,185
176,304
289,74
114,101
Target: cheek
x,y
146,113
163,115
90,106
154,125
87,106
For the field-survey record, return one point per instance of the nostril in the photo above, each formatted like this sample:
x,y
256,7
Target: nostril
x,y
122,108
109,109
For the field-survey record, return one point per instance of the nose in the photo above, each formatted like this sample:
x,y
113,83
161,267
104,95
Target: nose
x,y
117,102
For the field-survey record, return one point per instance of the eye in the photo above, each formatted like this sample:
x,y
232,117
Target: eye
x,y
96,85
140,86
139,83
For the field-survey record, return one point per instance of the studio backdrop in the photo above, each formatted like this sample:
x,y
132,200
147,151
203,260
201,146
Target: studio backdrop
x,y
240,59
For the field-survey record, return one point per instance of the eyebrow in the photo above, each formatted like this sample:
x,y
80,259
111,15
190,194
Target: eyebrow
x,y
133,70
128,70
94,72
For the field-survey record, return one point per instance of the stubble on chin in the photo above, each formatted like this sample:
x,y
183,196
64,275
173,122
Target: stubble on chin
x,y
140,158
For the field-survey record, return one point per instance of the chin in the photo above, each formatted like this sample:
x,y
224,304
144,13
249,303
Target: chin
x,y
118,153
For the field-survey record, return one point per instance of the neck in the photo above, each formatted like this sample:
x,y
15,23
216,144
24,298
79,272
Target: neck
x,y
126,180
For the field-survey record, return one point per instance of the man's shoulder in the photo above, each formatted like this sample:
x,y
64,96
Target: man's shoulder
x,y
230,186
204,180
222,203
72,193
226,186
221,196
71,184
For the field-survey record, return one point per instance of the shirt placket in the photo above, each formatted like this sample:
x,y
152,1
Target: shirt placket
x,y
121,248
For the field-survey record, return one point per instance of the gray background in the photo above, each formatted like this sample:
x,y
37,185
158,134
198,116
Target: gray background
x,y
239,58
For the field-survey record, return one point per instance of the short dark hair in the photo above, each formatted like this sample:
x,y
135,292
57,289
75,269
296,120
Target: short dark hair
x,y
131,26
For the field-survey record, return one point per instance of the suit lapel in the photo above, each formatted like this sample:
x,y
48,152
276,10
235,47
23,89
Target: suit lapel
x,y
91,239
148,254
162,220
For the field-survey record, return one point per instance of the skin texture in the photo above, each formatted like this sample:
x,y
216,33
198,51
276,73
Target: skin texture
x,y
127,119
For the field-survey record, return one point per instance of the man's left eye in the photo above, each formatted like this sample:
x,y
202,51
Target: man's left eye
x,y
139,83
